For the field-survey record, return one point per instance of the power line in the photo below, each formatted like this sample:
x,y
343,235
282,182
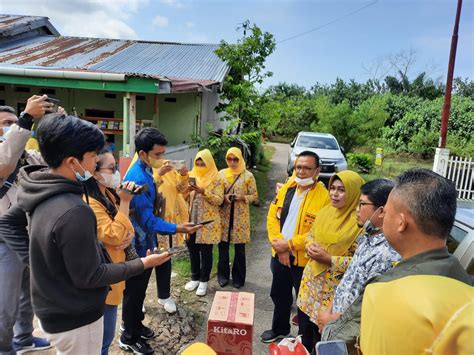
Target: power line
x,y
330,22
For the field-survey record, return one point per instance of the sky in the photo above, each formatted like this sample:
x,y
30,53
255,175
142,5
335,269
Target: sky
x,y
357,45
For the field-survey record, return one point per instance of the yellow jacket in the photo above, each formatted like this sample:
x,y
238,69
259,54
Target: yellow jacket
x,y
315,199
112,232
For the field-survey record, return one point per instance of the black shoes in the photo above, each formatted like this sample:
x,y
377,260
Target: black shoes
x,y
269,336
145,333
223,282
138,347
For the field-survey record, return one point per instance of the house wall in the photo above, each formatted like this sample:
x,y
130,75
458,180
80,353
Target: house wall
x,y
209,116
178,120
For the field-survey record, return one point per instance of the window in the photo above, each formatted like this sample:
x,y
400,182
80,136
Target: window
x,y
48,92
317,142
20,107
22,89
170,99
99,113
110,96
141,98
2,87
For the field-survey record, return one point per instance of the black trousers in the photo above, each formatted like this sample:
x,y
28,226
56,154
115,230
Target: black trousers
x,y
163,280
200,256
239,268
284,280
133,297
308,330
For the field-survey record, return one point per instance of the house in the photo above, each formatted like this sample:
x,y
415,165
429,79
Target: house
x,y
120,85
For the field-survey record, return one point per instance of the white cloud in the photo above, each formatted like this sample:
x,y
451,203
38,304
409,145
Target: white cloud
x,y
87,18
174,3
190,24
160,21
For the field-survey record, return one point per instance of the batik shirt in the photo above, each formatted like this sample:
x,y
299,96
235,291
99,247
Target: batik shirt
x,y
373,257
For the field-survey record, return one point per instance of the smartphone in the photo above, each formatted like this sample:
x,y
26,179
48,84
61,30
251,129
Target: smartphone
x,y
177,250
55,103
335,347
192,181
203,223
177,164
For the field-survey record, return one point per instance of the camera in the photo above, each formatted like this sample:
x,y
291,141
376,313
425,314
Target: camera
x,y
55,103
138,189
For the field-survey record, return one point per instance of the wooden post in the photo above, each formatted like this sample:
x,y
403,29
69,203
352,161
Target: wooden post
x,y
132,104
126,125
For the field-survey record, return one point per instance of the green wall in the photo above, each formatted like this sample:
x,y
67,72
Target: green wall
x,y
177,120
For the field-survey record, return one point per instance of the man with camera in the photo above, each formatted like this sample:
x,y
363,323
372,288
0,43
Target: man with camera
x,y
150,146
16,313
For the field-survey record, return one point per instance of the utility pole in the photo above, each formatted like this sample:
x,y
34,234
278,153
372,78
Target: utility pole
x,y
449,79
440,164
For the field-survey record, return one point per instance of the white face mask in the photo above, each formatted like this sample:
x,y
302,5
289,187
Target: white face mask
x,y
304,182
111,180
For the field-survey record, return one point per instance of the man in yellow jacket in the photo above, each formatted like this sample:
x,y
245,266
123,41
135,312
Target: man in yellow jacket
x,y
290,218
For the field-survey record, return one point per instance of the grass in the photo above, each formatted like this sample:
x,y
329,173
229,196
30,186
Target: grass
x,y
393,166
181,264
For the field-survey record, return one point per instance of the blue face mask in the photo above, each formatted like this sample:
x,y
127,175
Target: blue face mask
x,y
79,177
5,130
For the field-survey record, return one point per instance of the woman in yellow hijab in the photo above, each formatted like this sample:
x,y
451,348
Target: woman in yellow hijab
x,y
207,194
419,314
330,246
240,191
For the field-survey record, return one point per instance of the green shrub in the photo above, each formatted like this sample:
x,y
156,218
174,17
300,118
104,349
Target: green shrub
x,y
424,143
362,162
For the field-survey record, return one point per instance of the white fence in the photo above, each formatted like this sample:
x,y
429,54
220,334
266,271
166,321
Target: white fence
x,y
461,172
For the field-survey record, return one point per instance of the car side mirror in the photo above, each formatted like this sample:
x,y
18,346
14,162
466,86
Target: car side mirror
x,y
343,150
292,144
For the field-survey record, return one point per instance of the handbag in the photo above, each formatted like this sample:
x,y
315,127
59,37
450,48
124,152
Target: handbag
x,y
230,188
288,346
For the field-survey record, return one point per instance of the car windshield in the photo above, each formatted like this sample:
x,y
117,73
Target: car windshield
x,y
317,142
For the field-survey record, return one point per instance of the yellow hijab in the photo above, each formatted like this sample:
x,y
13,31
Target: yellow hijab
x,y
336,229
419,314
210,171
231,174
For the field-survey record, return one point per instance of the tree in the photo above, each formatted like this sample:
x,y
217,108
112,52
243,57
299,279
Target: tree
x,y
246,58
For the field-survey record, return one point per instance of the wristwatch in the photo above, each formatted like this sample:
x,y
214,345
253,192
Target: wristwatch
x,y
25,120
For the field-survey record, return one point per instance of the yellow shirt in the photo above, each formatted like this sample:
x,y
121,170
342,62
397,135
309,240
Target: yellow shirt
x,y
315,199
419,314
112,232
208,208
244,186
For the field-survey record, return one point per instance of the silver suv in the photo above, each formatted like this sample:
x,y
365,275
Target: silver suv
x,y
331,157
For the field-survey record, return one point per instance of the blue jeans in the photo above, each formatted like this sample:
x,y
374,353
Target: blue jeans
x,y
110,319
16,313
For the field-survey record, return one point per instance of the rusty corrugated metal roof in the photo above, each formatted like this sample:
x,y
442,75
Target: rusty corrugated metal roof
x,y
15,24
134,58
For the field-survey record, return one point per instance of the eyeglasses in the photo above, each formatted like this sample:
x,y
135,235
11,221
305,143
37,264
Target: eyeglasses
x,y
235,160
113,168
362,203
304,168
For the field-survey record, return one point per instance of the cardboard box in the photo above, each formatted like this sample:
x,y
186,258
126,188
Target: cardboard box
x,y
230,324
